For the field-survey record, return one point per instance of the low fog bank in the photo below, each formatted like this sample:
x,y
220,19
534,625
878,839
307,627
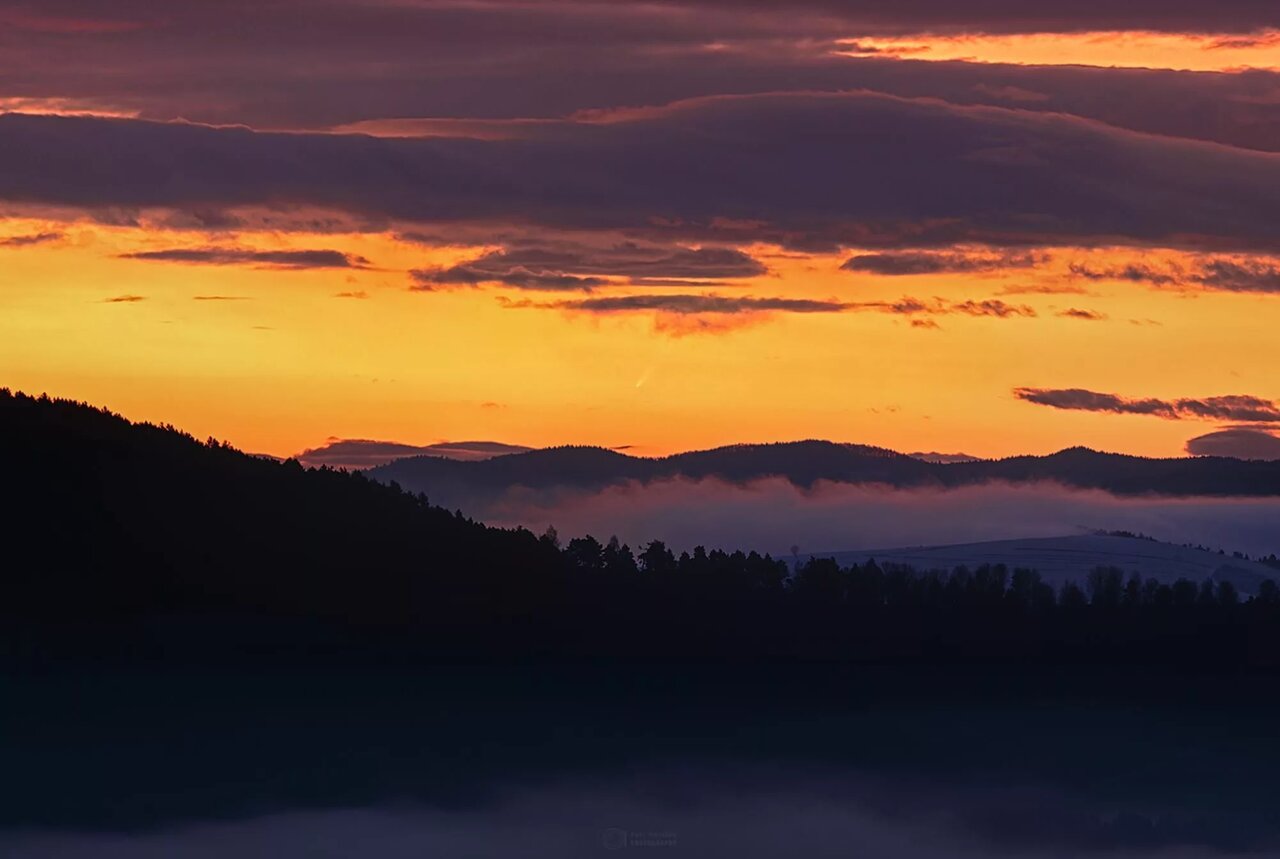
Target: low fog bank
x,y
773,515
761,815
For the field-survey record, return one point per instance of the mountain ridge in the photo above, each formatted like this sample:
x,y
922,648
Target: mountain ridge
x,y
806,463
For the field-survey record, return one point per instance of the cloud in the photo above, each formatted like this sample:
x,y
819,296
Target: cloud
x,y
1234,276
433,60
352,454
1235,407
1133,272
916,262
302,259
220,298
1216,273
31,240
571,266
1237,442
698,304
989,307
357,294
1015,16
124,299
430,279
1084,315
714,305
820,171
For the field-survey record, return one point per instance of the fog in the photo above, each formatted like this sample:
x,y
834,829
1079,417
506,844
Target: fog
x,y
774,515
752,814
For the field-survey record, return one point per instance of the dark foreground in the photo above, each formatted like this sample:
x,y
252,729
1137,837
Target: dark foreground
x,y
578,761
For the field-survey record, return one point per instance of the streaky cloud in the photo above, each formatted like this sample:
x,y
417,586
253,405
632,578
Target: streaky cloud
x,y
823,171
31,240
286,259
902,263
1233,407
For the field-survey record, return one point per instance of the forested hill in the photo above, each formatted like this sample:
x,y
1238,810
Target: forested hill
x,y
107,519
125,541
807,462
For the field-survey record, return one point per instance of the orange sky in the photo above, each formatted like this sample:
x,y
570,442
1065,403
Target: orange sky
x,y
1190,52
277,359
278,362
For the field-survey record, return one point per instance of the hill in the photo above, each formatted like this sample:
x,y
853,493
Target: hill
x,y
808,462
1060,560
132,541
116,523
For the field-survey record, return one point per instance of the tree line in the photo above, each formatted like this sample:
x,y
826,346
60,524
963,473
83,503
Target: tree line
x,y
128,538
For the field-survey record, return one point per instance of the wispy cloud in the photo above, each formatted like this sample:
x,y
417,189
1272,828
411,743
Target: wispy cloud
x,y
1223,274
31,239
900,263
717,304
289,259
1232,407
697,304
559,266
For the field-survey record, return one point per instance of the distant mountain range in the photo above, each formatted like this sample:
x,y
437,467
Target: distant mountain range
x,y
358,453
805,463
137,544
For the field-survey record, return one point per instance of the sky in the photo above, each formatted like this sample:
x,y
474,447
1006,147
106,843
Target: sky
x,y
994,227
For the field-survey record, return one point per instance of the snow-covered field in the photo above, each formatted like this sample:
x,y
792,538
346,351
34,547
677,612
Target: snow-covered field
x,y
1062,559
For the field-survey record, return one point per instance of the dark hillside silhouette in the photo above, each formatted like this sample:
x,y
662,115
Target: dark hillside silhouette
x,y
112,522
125,540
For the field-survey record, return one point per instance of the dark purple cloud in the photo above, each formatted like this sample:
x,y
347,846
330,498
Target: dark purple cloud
x,y
701,304
1082,314
429,279
1018,16
242,256
31,240
570,266
1234,407
1233,276
917,262
819,171
124,299
727,305
1223,274
1237,442
292,64
1132,272
990,307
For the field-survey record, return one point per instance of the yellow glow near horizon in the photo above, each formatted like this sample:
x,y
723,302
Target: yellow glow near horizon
x,y
275,362
1129,49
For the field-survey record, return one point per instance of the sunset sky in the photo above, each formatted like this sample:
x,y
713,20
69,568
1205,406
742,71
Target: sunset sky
x,y
994,227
